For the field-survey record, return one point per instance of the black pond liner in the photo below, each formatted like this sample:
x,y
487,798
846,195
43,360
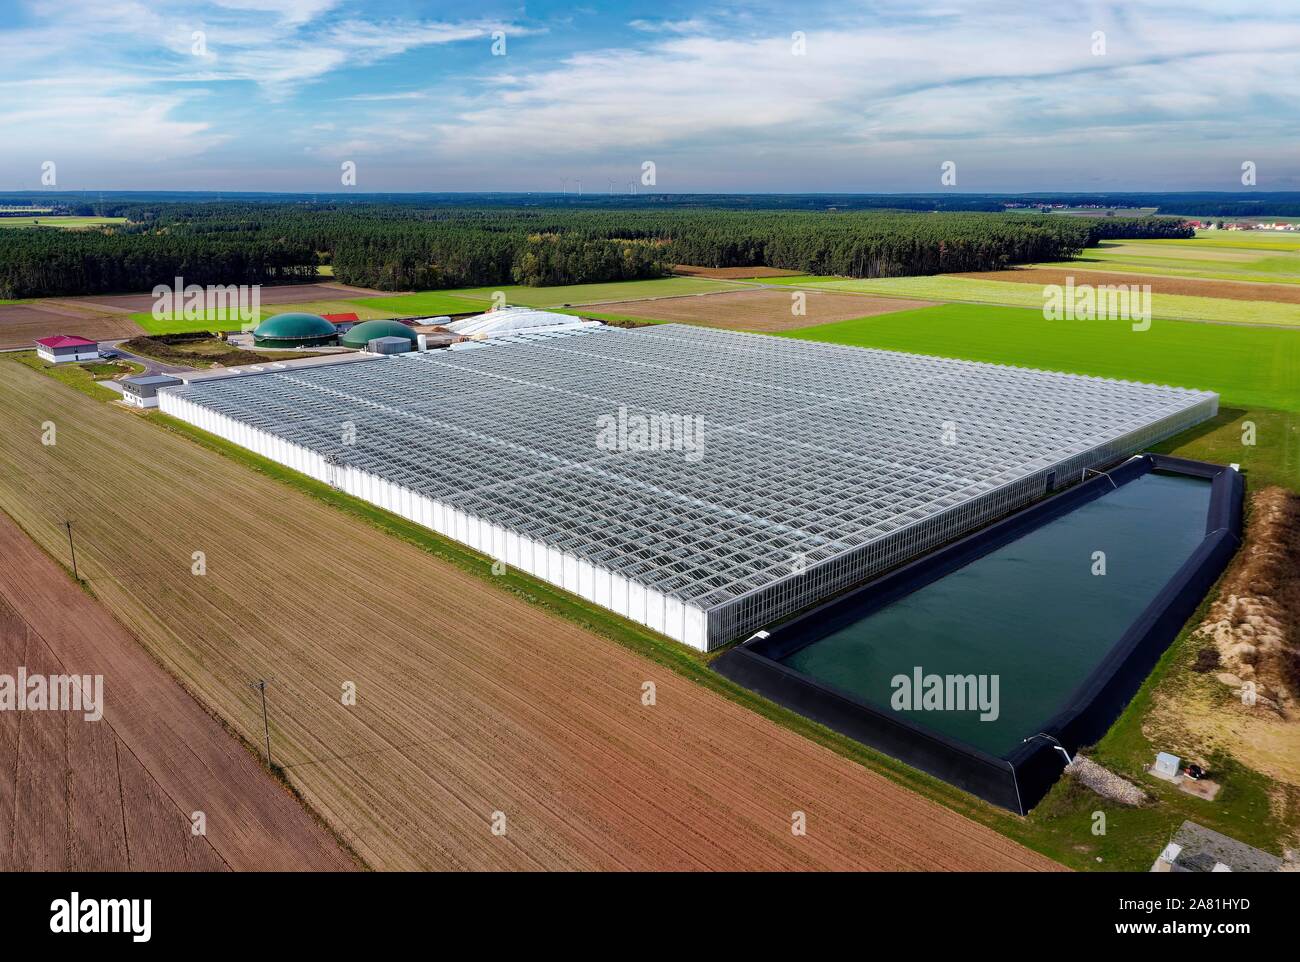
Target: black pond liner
x,y
1020,779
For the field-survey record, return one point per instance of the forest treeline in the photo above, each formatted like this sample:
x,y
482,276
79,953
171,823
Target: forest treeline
x,y
403,247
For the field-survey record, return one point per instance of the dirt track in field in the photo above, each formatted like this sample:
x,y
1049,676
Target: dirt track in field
x,y
762,310
469,701
117,793
21,324
1194,287
731,273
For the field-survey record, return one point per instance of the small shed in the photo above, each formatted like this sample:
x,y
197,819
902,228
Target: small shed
x,y
66,347
142,391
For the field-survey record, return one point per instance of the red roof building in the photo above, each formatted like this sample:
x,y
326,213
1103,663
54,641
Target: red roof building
x,y
66,340
341,318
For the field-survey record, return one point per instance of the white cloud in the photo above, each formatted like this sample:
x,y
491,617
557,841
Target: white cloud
x,y
879,94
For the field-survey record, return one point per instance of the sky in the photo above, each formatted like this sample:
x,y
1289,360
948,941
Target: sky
x,y
281,95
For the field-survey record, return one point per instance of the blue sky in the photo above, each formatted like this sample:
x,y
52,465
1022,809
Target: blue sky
x,y
277,94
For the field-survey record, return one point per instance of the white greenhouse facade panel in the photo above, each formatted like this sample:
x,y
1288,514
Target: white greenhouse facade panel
x,y
702,483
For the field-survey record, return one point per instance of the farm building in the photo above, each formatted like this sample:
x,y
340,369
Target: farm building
x,y
142,391
704,483
66,347
295,330
362,334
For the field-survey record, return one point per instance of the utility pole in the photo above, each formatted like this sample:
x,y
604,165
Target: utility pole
x,y
73,549
260,685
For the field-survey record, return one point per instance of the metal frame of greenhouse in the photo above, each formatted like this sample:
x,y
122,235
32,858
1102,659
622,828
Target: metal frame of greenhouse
x,y
819,465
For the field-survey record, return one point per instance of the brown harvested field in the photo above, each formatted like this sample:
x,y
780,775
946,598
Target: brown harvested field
x,y
270,295
1195,287
20,324
117,793
732,273
762,309
469,700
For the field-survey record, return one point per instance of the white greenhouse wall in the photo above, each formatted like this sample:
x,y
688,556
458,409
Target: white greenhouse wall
x,y
670,616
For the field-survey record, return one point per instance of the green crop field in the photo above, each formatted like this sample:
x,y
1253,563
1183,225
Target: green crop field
x,y
60,221
575,294
364,309
1256,366
211,321
944,287
1213,255
422,303
1256,371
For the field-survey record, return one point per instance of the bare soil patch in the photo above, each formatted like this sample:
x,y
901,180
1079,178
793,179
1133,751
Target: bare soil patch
x,y
762,310
118,794
732,273
21,324
271,294
1251,636
1191,286
469,701
201,350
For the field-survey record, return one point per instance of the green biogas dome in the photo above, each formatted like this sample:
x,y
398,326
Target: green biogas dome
x,y
294,330
365,332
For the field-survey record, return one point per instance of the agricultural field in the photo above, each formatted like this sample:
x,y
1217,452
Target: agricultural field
x,y
213,321
117,793
731,273
975,290
763,310
1212,255
21,324
1104,211
75,222
1256,370
573,294
466,710
1160,284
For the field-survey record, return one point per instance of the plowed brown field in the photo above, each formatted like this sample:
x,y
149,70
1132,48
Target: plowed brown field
x,y
469,701
731,273
761,310
1195,287
117,794
270,294
21,324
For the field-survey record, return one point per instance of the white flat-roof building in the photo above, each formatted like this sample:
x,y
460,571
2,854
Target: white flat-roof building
x,y
704,483
142,391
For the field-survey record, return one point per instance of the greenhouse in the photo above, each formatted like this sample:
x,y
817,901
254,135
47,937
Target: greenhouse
x,y
704,483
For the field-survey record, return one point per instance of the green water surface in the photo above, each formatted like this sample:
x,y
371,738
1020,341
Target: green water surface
x,y
1032,613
